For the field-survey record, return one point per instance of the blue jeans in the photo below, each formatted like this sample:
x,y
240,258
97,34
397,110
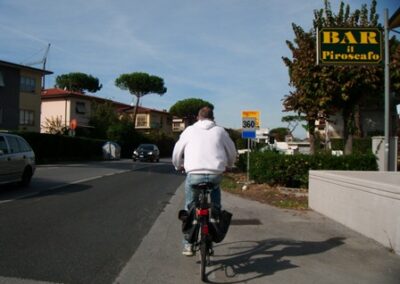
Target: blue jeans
x,y
191,195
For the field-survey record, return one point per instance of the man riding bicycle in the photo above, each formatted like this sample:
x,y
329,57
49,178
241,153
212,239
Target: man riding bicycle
x,y
205,151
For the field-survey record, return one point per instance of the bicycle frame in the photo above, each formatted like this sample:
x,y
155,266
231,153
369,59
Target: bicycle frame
x,y
203,208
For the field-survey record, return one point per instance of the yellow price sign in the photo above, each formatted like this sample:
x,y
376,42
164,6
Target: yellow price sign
x,y
254,114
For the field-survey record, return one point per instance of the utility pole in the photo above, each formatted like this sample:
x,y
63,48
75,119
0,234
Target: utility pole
x,y
387,91
43,61
44,67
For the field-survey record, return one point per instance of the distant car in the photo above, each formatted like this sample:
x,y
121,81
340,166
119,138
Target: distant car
x,y
17,159
146,152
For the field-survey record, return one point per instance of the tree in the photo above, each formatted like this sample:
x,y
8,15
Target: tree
x,y
140,84
189,108
121,130
55,125
351,84
78,82
321,91
102,116
279,133
124,134
395,83
236,137
293,121
311,88
395,68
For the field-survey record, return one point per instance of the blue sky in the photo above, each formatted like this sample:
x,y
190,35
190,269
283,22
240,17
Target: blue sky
x,y
227,52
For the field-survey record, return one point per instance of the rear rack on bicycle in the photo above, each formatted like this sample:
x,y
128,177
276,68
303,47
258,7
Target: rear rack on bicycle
x,y
203,185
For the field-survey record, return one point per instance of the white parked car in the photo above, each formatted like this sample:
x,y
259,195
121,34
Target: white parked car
x,y
17,159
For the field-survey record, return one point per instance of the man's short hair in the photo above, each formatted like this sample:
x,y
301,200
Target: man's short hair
x,y
206,113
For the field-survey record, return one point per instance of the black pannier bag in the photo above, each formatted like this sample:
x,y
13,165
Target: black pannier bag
x,y
219,224
190,227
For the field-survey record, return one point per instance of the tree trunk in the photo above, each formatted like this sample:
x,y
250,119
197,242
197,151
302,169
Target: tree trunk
x,y
357,121
348,147
135,111
311,134
348,131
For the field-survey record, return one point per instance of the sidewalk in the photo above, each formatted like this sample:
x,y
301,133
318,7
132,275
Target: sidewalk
x,y
264,245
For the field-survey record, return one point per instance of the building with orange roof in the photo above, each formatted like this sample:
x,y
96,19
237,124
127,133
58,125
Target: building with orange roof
x,y
20,88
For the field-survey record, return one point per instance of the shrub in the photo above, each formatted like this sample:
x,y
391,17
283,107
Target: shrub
x,y
360,145
241,162
56,148
164,142
292,170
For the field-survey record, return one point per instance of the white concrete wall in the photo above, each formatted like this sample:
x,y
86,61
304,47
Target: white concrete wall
x,y
367,202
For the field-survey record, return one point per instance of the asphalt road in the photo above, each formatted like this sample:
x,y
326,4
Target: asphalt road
x,y
81,230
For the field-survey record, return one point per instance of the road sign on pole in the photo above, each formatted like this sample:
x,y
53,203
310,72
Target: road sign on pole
x,y
73,124
248,132
252,113
249,127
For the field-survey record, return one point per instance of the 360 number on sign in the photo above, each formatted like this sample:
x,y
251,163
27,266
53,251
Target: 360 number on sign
x,y
249,123
249,127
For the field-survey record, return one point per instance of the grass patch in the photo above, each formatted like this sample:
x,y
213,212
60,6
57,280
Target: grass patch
x,y
272,195
228,183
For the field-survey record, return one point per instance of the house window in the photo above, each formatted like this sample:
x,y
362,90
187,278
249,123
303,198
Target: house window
x,y
26,117
27,84
80,108
176,126
141,120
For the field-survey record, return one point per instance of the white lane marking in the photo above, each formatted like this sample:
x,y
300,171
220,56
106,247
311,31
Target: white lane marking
x,y
64,185
12,280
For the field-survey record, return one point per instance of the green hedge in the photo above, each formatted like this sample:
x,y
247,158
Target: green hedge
x,y
360,145
58,148
51,148
292,170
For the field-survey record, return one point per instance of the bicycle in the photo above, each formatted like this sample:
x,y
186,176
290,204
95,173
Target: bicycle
x,y
204,244
203,224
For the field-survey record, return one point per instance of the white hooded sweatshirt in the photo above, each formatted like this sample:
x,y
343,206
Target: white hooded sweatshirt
x,y
204,148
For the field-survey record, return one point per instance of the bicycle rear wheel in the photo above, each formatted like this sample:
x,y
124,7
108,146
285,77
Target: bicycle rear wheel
x,y
203,259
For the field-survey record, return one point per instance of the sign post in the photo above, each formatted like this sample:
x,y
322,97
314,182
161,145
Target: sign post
x,y
250,121
387,92
72,125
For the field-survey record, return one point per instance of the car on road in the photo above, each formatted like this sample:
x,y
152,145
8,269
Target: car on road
x,y
17,159
146,152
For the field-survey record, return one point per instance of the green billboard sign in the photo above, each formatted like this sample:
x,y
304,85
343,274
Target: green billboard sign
x,y
349,46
